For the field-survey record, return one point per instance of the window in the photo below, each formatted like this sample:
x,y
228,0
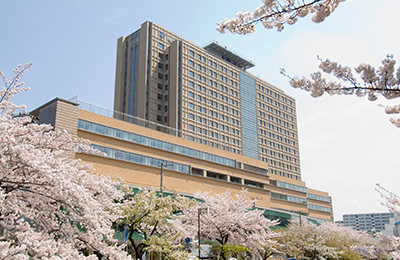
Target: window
x,y
191,105
160,76
159,86
191,94
161,46
191,84
191,53
161,56
191,63
159,107
191,127
160,65
191,116
191,73
159,118
159,96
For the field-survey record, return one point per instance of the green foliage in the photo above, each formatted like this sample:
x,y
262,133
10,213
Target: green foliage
x,y
228,251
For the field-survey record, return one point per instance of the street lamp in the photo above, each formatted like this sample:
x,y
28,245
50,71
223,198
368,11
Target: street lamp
x,y
200,211
162,175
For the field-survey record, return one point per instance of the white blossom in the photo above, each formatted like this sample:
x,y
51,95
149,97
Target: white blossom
x,y
51,206
276,13
371,82
228,221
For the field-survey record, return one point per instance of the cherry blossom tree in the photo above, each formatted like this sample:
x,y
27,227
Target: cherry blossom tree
x,y
326,241
227,221
388,246
51,206
149,216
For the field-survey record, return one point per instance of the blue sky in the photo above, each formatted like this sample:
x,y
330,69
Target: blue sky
x,y
346,144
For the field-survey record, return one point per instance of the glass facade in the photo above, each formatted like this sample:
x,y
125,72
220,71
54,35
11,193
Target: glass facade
x,y
291,186
141,159
280,196
319,208
318,197
147,141
248,116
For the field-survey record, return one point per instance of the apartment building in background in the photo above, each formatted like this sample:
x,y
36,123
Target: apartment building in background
x,y
197,113
207,96
386,223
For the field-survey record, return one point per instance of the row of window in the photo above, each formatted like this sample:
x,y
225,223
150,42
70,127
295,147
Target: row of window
x,y
279,155
290,198
287,141
273,136
271,117
212,134
213,124
213,73
151,142
271,126
211,92
213,113
141,159
277,172
319,208
274,94
211,63
211,82
278,146
261,96
213,103
318,197
291,186
282,165
277,112
213,144
278,129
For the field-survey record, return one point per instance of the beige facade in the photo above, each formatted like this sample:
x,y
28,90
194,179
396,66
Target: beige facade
x,y
205,95
134,153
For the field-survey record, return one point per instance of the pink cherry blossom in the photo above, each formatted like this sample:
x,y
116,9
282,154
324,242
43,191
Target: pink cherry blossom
x,y
51,206
277,13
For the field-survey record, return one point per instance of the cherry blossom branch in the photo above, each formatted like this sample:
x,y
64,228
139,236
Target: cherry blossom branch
x,y
276,13
371,82
14,80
